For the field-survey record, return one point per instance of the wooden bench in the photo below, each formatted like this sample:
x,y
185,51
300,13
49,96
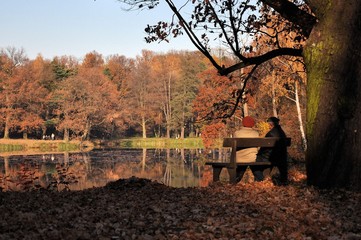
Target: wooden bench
x,y
237,169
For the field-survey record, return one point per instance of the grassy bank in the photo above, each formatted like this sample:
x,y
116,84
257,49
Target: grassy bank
x,y
33,145
11,145
160,143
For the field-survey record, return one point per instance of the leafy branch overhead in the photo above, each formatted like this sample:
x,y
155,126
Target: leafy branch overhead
x,y
237,25
250,31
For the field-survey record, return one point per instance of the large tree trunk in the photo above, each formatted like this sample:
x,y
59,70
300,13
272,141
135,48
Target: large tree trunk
x,y
332,58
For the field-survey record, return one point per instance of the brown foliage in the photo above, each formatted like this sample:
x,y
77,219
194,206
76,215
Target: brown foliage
x,y
215,91
211,133
140,209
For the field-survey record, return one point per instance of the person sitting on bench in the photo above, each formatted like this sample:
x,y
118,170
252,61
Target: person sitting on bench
x,y
276,155
247,131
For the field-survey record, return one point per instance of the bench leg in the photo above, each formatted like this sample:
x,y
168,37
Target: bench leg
x,y
232,175
216,173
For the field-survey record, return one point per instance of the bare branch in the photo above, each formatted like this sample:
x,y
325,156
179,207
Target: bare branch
x,y
292,13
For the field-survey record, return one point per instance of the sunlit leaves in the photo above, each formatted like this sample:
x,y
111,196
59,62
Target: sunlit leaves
x,y
89,99
215,96
22,95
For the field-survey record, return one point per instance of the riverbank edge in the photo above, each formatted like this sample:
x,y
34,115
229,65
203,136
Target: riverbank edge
x,y
35,145
149,143
13,145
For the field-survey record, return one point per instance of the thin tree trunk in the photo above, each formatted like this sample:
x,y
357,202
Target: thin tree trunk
x,y
6,127
66,134
168,131
245,110
144,129
86,132
274,104
183,125
298,107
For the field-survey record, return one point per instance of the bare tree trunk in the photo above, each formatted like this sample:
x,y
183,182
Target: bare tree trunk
x,y
298,107
86,132
167,105
245,110
144,129
6,131
274,104
66,134
168,132
6,127
183,125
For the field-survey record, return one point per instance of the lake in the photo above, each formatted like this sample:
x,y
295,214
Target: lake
x,y
83,170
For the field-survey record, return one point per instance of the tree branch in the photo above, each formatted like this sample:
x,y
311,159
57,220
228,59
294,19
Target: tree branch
x,y
261,59
292,13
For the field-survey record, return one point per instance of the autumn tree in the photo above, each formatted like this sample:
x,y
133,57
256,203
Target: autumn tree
x,y
6,71
143,93
280,90
31,98
119,70
11,60
62,67
166,68
331,54
45,76
186,88
88,99
279,79
214,89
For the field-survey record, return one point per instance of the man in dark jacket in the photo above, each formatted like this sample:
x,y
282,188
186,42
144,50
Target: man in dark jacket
x,y
276,155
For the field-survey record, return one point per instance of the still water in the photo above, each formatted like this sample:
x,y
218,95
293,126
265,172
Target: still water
x,y
82,170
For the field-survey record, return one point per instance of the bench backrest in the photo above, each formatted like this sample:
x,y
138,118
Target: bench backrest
x,y
254,142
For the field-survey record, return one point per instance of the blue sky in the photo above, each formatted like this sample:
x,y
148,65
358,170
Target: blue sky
x,y
76,27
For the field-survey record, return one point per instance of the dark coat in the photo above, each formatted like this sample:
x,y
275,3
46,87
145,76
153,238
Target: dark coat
x,y
277,154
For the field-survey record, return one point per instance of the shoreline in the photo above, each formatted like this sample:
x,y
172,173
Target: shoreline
x,y
40,146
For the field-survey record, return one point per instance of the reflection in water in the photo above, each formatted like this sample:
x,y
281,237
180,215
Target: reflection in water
x,y
77,171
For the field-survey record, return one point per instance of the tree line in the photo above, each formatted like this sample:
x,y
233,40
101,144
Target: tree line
x,y
154,95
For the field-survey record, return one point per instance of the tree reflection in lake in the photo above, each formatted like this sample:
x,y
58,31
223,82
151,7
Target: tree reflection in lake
x,y
77,171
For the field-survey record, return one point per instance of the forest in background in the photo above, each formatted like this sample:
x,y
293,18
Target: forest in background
x,y
154,95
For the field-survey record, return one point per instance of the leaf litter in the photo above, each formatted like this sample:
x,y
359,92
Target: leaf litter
x,y
138,208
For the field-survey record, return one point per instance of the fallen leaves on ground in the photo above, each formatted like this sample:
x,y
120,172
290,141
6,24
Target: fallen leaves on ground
x,y
141,209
